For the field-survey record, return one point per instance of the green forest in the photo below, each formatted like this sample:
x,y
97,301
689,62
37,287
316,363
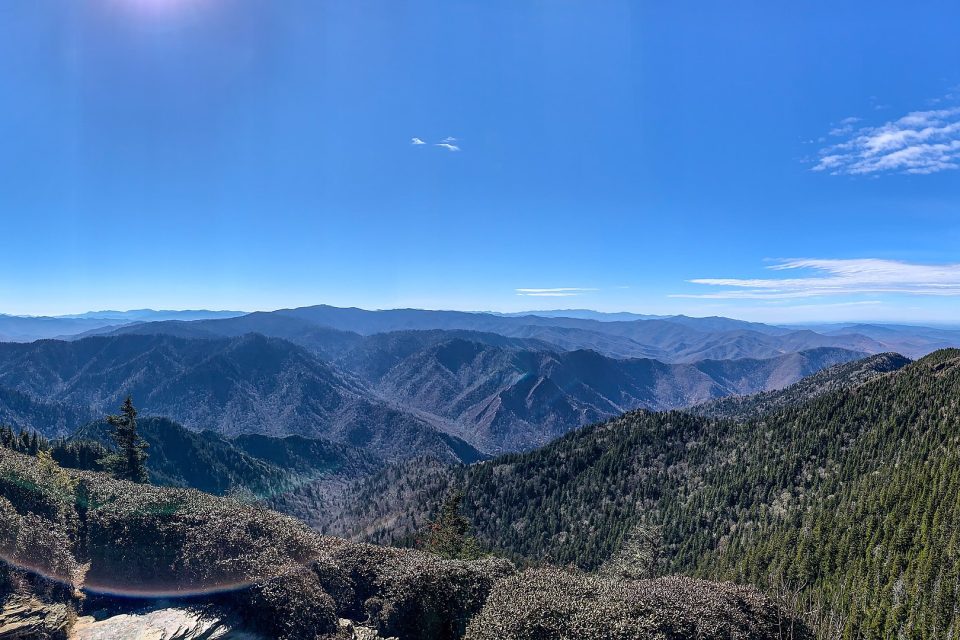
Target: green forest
x,y
847,505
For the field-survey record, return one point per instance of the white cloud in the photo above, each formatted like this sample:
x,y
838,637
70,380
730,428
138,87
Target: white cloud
x,y
844,127
448,143
558,292
868,276
920,142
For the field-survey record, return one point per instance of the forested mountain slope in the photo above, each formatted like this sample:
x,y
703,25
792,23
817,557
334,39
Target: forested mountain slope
x,y
250,384
262,465
398,394
841,376
23,411
852,499
501,395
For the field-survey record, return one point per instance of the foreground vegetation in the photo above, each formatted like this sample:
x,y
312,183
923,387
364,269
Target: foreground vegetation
x,y
846,506
66,534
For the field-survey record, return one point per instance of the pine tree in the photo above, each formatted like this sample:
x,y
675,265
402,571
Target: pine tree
x,y
448,535
130,461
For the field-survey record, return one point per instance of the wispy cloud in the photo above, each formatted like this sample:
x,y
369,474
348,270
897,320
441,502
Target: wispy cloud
x,y
844,127
920,142
557,292
449,143
838,277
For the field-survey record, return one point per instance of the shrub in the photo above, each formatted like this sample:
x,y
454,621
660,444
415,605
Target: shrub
x,y
552,604
416,595
291,606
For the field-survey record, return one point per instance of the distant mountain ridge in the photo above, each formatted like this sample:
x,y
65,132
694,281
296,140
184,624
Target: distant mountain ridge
x,y
507,395
677,339
842,376
406,382
672,339
251,384
30,328
152,315
454,394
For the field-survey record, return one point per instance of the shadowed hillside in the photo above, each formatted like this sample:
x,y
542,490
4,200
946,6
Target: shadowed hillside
x,y
245,385
452,394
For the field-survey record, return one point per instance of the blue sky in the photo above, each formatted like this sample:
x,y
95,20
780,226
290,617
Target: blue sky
x,y
771,161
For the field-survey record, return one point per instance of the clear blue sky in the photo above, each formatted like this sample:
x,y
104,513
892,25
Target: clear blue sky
x,y
255,154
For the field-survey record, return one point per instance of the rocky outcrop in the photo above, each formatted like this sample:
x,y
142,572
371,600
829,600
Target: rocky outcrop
x,y
29,619
349,630
174,623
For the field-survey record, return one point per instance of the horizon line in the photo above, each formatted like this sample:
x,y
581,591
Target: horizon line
x,y
531,312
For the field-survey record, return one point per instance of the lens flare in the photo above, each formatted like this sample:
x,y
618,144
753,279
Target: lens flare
x,y
18,549
147,8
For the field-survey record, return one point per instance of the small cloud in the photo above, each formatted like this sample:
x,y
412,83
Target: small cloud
x,y
844,127
448,146
832,277
416,141
557,292
920,142
449,140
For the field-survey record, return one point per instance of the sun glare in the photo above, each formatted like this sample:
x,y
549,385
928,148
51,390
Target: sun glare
x,y
154,6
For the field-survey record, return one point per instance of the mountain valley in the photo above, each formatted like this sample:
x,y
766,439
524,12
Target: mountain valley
x,y
764,470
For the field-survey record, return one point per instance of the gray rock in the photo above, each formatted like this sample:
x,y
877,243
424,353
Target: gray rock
x,y
159,624
349,630
28,618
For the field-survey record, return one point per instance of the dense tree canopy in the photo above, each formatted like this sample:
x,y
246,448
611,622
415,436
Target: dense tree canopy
x,y
848,504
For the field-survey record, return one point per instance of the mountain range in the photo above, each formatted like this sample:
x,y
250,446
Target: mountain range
x,y
246,385
503,394
679,340
457,395
675,339
825,472
407,382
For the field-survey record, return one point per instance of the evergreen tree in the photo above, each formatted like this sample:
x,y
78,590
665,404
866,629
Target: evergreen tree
x,y
448,535
6,436
80,454
129,462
